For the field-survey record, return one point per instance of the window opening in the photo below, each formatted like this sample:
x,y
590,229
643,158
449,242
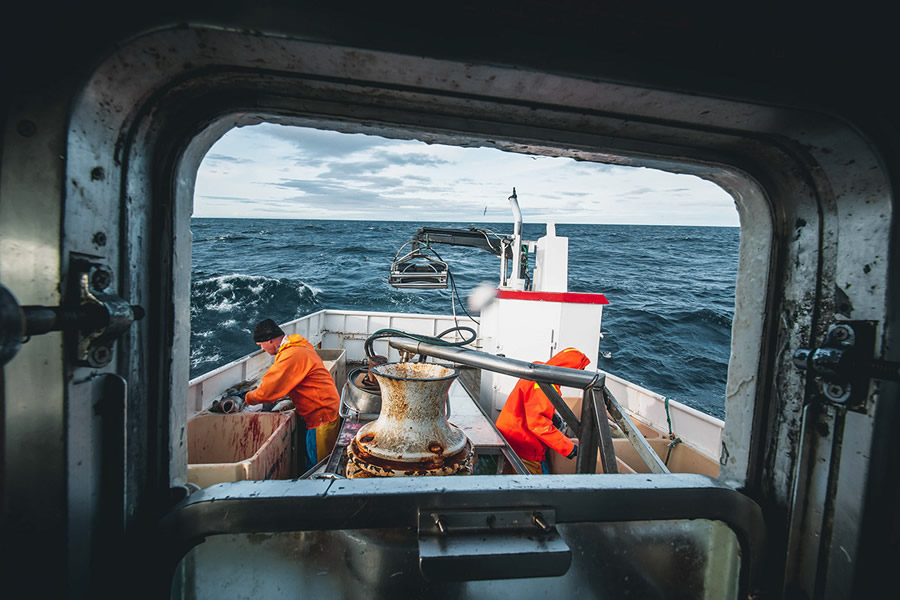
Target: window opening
x,y
289,221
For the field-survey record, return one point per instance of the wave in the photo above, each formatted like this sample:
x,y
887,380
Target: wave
x,y
227,237
226,308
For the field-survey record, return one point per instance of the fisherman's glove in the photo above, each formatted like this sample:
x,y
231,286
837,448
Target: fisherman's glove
x,y
558,422
574,452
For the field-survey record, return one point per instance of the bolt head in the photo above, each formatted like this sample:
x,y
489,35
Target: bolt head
x,y
100,356
100,279
836,393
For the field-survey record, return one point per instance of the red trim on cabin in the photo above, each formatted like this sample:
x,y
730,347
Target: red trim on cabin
x,y
568,297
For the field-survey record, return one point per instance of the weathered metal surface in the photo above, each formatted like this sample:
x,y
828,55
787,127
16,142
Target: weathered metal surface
x,y
517,368
360,395
472,545
411,435
386,515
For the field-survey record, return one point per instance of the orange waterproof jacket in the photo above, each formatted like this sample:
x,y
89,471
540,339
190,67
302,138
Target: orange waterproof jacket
x,y
526,420
298,372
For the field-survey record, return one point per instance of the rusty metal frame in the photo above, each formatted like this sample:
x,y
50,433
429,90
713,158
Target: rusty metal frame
x,y
375,504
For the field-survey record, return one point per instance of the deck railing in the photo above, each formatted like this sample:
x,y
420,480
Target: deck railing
x,y
348,330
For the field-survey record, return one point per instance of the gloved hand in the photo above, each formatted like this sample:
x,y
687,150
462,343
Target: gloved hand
x,y
237,394
574,452
558,421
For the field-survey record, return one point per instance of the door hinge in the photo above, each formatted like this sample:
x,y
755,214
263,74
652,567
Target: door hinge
x,y
91,318
844,364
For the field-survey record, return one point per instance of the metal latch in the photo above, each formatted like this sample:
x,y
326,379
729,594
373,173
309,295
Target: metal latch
x,y
469,545
92,318
844,363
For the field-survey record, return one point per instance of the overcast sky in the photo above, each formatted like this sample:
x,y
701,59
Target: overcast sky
x,y
274,171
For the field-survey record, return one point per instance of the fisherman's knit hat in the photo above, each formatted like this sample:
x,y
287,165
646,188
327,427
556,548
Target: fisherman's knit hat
x,y
266,330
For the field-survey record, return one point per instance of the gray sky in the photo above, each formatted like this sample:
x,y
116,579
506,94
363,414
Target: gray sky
x,y
274,171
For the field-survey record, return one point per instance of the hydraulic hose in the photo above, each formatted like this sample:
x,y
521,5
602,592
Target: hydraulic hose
x,y
436,340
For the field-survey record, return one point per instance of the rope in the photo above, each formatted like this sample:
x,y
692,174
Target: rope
x,y
675,440
674,443
668,417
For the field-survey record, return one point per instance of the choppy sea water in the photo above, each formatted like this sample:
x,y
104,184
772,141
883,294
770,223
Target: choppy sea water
x,y
667,326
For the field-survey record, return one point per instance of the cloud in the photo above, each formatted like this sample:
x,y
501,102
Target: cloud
x,y
290,172
237,198
225,158
338,184
411,159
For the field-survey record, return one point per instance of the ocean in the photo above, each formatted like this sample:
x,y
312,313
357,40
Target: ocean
x,y
667,326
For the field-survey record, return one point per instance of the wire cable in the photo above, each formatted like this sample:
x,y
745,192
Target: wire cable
x,y
454,291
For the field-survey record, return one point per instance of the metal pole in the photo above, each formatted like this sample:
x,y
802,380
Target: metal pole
x,y
516,279
637,439
500,364
607,449
588,441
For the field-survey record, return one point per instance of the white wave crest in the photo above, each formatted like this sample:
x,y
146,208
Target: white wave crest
x,y
314,291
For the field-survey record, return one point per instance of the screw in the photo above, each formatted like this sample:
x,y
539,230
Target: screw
x,y
834,391
97,174
539,521
99,239
100,356
439,523
100,279
840,333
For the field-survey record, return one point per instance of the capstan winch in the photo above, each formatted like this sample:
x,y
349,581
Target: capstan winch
x,y
411,436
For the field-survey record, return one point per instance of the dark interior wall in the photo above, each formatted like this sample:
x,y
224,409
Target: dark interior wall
x,y
839,63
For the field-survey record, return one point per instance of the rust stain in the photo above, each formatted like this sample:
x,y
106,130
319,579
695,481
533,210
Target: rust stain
x,y
461,462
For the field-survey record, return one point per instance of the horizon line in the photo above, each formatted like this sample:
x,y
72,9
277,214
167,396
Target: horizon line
x,y
463,220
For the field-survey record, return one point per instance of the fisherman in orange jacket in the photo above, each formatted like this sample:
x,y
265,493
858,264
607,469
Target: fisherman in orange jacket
x,y
526,420
298,372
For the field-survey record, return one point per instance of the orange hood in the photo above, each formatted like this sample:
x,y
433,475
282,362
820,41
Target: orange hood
x,y
571,358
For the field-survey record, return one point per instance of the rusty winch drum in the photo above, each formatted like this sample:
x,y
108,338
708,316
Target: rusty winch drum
x,y
411,435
